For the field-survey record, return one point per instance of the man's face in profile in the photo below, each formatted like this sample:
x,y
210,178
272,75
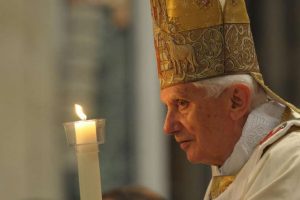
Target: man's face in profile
x,y
201,125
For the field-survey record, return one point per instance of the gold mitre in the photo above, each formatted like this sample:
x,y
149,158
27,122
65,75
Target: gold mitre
x,y
200,39
197,39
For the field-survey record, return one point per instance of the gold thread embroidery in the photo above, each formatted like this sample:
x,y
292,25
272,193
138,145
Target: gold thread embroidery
x,y
186,53
219,185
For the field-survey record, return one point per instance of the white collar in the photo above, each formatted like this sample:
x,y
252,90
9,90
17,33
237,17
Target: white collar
x,y
259,123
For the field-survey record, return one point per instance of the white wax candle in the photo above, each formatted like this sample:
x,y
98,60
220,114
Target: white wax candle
x,y
85,132
88,160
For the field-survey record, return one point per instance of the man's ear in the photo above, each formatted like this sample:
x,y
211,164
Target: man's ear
x,y
240,100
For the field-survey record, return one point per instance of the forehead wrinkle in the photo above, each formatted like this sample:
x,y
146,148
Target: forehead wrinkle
x,y
172,93
190,91
181,91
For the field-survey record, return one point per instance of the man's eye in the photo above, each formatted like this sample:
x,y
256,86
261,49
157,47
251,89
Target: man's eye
x,y
181,104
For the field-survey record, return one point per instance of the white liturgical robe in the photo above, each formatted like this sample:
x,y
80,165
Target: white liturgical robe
x,y
273,170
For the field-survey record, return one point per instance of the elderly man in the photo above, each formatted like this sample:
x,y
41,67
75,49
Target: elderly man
x,y
219,109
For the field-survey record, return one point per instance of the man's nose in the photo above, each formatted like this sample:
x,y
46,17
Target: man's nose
x,y
171,124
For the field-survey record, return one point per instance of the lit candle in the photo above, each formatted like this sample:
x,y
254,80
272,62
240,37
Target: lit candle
x,y
85,130
87,157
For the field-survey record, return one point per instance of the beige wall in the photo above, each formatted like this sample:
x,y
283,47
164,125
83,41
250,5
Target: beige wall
x,y
31,160
151,144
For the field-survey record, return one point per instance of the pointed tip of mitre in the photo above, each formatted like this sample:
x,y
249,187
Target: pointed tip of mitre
x,y
235,11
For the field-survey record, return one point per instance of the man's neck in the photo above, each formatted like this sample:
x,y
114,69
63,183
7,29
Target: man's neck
x,y
258,124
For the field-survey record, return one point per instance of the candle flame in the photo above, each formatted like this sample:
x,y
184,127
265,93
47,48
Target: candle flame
x,y
79,112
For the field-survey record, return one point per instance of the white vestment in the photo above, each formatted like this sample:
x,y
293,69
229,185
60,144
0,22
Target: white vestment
x,y
273,170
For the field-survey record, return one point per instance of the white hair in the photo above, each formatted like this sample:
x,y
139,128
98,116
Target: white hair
x,y
215,86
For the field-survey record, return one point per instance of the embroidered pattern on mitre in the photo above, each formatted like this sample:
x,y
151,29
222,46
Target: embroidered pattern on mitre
x,y
195,39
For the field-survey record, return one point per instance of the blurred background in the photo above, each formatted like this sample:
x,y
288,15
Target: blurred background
x,y
99,53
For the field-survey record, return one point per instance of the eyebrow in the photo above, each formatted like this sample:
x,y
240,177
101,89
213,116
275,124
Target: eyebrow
x,y
175,95
180,93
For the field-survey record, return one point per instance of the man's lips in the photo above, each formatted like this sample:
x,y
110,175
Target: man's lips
x,y
184,144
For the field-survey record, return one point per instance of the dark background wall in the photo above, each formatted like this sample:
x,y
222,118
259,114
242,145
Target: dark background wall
x,y
276,30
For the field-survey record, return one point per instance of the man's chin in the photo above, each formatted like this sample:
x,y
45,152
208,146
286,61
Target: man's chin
x,y
192,159
196,160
